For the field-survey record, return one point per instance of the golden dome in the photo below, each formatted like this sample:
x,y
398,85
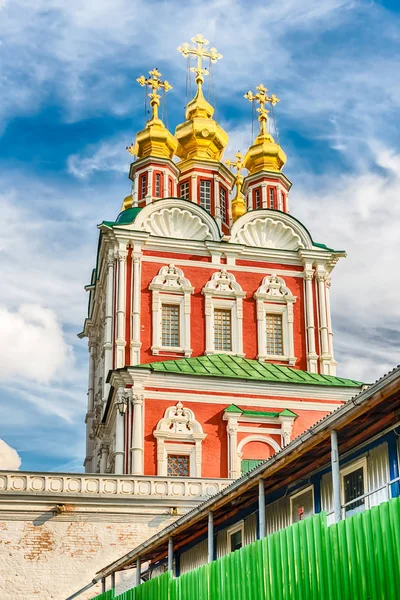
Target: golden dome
x,y
200,136
265,154
154,139
127,202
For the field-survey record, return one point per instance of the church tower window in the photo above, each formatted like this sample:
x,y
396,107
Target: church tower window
x,y
271,198
143,186
274,334
222,330
257,198
222,201
170,325
205,194
184,190
158,185
178,465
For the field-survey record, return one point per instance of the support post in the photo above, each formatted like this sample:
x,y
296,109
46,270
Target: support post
x,y
113,581
337,508
261,508
138,572
170,553
210,536
103,585
393,465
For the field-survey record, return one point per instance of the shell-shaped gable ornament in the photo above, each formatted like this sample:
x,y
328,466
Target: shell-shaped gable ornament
x,y
177,223
268,233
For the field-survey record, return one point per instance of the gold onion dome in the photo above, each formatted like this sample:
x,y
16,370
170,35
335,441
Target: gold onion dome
x,y
155,139
200,136
265,154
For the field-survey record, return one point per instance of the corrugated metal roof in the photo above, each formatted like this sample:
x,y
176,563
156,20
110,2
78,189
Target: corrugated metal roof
x,y
224,365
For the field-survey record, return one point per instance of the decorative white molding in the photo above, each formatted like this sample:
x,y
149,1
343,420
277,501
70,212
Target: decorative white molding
x,y
179,432
265,439
108,486
108,341
177,218
286,428
223,291
137,450
170,286
325,357
312,356
279,231
275,298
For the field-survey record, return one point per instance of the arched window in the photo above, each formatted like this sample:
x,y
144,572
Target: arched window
x,y
171,311
179,443
224,314
275,320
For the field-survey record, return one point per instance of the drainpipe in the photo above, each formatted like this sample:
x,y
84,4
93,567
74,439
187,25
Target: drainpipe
x,y
261,508
210,536
170,553
337,508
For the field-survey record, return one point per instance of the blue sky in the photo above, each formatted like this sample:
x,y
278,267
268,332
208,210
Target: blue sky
x,y
70,105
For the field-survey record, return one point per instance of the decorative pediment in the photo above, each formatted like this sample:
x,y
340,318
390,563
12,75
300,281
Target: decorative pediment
x,y
179,219
223,283
179,423
278,232
171,278
274,288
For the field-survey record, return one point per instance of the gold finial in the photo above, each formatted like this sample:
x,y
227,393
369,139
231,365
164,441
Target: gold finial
x,y
262,98
201,51
154,81
238,203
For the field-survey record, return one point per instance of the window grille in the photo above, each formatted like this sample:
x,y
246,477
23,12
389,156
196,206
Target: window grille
x,y
178,465
257,196
158,185
271,198
184,193
205,194
143,186
353,487
222,201
222,330
274,334
170,325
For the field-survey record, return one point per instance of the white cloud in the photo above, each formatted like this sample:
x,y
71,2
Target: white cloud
x,y
33,344
108,156
9,458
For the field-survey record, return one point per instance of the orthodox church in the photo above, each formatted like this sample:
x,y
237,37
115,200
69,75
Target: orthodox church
x,y
209,320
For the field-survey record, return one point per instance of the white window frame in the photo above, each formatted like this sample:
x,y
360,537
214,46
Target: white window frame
x,y
222,291
181,450
354,466
184,183
209,182
299,493
231,531
273,297
171,287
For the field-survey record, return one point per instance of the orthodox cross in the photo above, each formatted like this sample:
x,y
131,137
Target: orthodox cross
x,y
201,51
236,164
154,81
262,98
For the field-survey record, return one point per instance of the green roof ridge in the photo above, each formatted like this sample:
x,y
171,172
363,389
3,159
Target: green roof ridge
x,y
233,408
225,365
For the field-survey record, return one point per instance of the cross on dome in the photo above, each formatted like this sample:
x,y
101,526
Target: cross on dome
x,y
200,51
262,98
155,83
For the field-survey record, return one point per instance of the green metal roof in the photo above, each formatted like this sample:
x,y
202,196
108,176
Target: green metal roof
x,y
223,365
233,408
125,217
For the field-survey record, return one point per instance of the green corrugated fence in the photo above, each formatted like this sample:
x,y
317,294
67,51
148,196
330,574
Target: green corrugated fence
x,y
356,559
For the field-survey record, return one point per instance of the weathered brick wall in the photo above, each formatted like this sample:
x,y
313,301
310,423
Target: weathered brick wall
x,y
52,558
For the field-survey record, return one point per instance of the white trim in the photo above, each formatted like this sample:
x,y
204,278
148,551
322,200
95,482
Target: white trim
x,y
299,493
223,291
257,430
265,439
171,287
273,297
231,531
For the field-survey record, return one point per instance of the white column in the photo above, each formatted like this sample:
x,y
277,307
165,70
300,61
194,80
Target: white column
x,y
232,427
135,194
103,457
210,536
170,554
137,435
261,508
337,504
209,324
121,306
90,406
135,330
329,321
279,198
239,321
217,204
165,173
108,329
149,195
264,195
325,357
193,183
187,311
312,356
119,435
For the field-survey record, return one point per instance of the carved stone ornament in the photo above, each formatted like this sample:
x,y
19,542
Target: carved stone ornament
x,y
179,423
274,287
177,223
223,283
269,233
171,278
